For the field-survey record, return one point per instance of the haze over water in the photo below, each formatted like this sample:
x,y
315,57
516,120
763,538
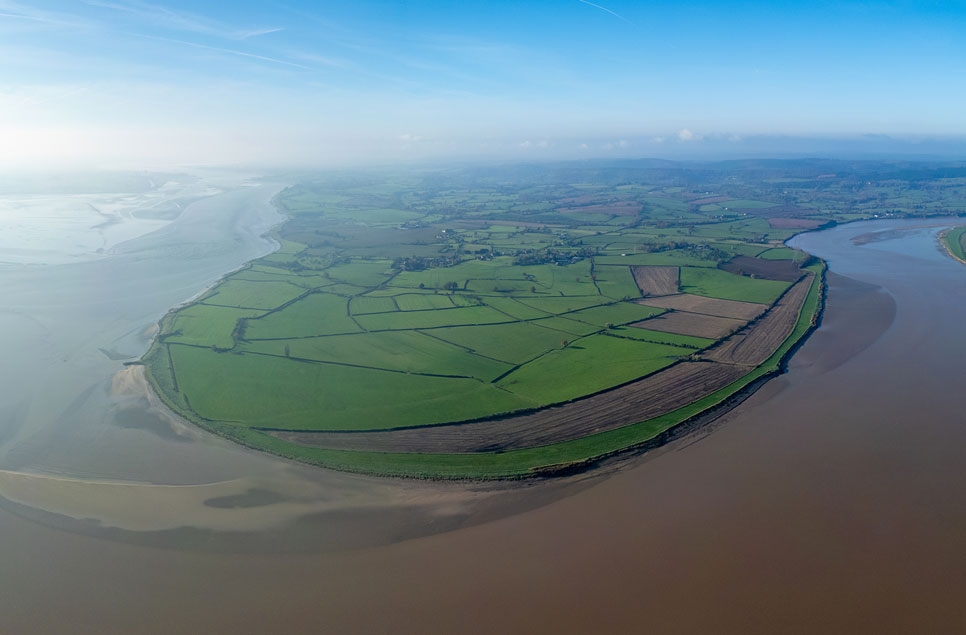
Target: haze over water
x,y
833,500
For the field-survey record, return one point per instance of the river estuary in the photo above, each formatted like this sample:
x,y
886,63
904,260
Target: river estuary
x,y
832,500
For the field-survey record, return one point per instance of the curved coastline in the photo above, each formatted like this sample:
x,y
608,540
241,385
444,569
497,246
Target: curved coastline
x,y
947,247
561,460
268,233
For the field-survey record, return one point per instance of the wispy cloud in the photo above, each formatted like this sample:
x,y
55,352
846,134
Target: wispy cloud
x,y
17,11
163,17
244,35
613,13
219,49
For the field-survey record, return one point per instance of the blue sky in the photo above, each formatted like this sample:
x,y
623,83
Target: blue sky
x,y
338,83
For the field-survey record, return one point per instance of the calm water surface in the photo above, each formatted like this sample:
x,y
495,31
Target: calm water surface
x,y
833,500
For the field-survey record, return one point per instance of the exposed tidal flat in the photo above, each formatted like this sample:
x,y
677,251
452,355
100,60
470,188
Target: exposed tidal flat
x,y
831,500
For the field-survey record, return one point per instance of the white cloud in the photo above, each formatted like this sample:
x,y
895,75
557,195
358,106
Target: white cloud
x,y
686,135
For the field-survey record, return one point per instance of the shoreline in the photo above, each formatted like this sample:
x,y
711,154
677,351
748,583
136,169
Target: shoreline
x,y
945,245
267,233
449,467
718,406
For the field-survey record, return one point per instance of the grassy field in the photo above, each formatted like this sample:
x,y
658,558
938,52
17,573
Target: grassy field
x,y
955,242
598,360
468,302
715,283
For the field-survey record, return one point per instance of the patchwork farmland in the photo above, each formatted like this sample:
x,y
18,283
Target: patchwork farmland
x,y
481,331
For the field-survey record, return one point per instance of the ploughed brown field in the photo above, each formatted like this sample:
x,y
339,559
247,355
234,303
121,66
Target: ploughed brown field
x,y
753,345
696,324
784,270
656,280
708,306
794,223
657,394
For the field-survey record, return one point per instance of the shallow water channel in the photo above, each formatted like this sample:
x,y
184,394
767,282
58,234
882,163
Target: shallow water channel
x,y
832,500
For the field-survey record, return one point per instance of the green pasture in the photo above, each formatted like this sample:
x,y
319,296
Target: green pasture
x,y
616,282
424,301
715,283
955,241
660,337
515,308
205,325
440,318
252,295
781,253
614,314
514,343
586,366
268,391
361,304
407,351
557,305
315,314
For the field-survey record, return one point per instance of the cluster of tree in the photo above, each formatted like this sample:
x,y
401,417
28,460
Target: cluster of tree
x,y
419,263
527,257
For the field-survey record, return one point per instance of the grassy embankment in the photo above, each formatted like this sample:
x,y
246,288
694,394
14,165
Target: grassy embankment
x,y
954,241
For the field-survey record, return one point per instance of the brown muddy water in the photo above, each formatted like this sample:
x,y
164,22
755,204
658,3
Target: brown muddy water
x,y
832,500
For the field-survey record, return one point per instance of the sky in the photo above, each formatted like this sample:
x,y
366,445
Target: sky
x,y
127,82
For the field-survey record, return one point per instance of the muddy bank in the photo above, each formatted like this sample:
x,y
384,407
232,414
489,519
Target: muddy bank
x,y
831,500
818,507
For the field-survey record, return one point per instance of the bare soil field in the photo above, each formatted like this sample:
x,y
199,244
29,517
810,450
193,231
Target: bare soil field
x,y
794,223
784,270
753,345
657,394
654,280
697,324
708,306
